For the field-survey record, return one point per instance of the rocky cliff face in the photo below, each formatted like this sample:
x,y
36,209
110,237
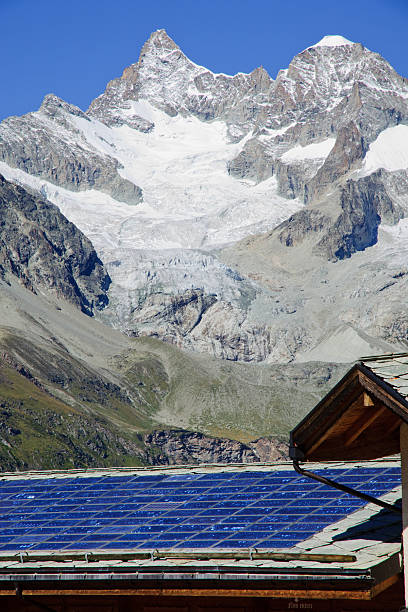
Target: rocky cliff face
x,y
342,92
40,247
184,447
352,224
311,167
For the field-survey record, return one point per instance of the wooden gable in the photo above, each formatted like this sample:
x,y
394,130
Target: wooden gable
x,y
358,419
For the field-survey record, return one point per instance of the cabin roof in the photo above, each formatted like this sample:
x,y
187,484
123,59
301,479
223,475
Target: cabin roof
x,y
392,369
360,417
258,522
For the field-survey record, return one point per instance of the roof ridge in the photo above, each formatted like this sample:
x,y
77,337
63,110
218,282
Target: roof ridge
x,y
384,357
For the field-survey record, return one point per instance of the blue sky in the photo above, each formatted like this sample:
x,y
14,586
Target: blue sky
x,y
74,47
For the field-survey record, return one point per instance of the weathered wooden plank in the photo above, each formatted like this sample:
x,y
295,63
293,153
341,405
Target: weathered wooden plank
x,y
367,399
384,585
305,593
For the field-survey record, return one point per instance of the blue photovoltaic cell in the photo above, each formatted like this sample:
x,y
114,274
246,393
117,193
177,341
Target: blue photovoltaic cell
x,y
276,509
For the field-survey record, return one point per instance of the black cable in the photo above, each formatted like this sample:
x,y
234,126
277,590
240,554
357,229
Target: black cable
x,y
340,487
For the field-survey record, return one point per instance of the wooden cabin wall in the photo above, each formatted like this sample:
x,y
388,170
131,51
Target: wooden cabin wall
x,y
388,601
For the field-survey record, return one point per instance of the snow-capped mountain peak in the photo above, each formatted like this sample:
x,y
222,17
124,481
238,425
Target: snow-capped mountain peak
x,y
170,81
333,40
160,38
173,162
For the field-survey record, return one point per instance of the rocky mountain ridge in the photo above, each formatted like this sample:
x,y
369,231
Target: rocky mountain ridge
x,y
176,447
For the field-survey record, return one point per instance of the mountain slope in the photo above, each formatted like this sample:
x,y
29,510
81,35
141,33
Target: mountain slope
x,y
74,392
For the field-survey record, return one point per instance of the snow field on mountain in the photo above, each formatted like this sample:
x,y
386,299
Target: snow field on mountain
x,y
333,41
96,214
136,265
189,203
189,200
388,151
316,150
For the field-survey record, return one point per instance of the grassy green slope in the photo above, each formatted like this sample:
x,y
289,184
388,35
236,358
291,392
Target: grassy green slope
x,y
38,431
235,400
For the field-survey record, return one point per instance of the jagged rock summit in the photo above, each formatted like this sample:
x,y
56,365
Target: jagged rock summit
x,y
237,215
167,79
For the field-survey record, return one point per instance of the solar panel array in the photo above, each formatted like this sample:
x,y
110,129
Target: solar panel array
x,y
260,509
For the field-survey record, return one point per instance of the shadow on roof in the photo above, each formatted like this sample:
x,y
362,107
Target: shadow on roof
x,y
383,527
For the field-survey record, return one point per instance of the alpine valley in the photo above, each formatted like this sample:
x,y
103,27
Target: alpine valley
x,y
190,264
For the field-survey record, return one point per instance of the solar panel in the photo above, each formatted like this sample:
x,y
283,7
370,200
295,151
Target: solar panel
x,y
275,509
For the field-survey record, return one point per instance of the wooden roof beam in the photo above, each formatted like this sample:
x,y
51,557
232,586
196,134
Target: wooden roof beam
x,y
323,438
395,426
336,425
364,423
